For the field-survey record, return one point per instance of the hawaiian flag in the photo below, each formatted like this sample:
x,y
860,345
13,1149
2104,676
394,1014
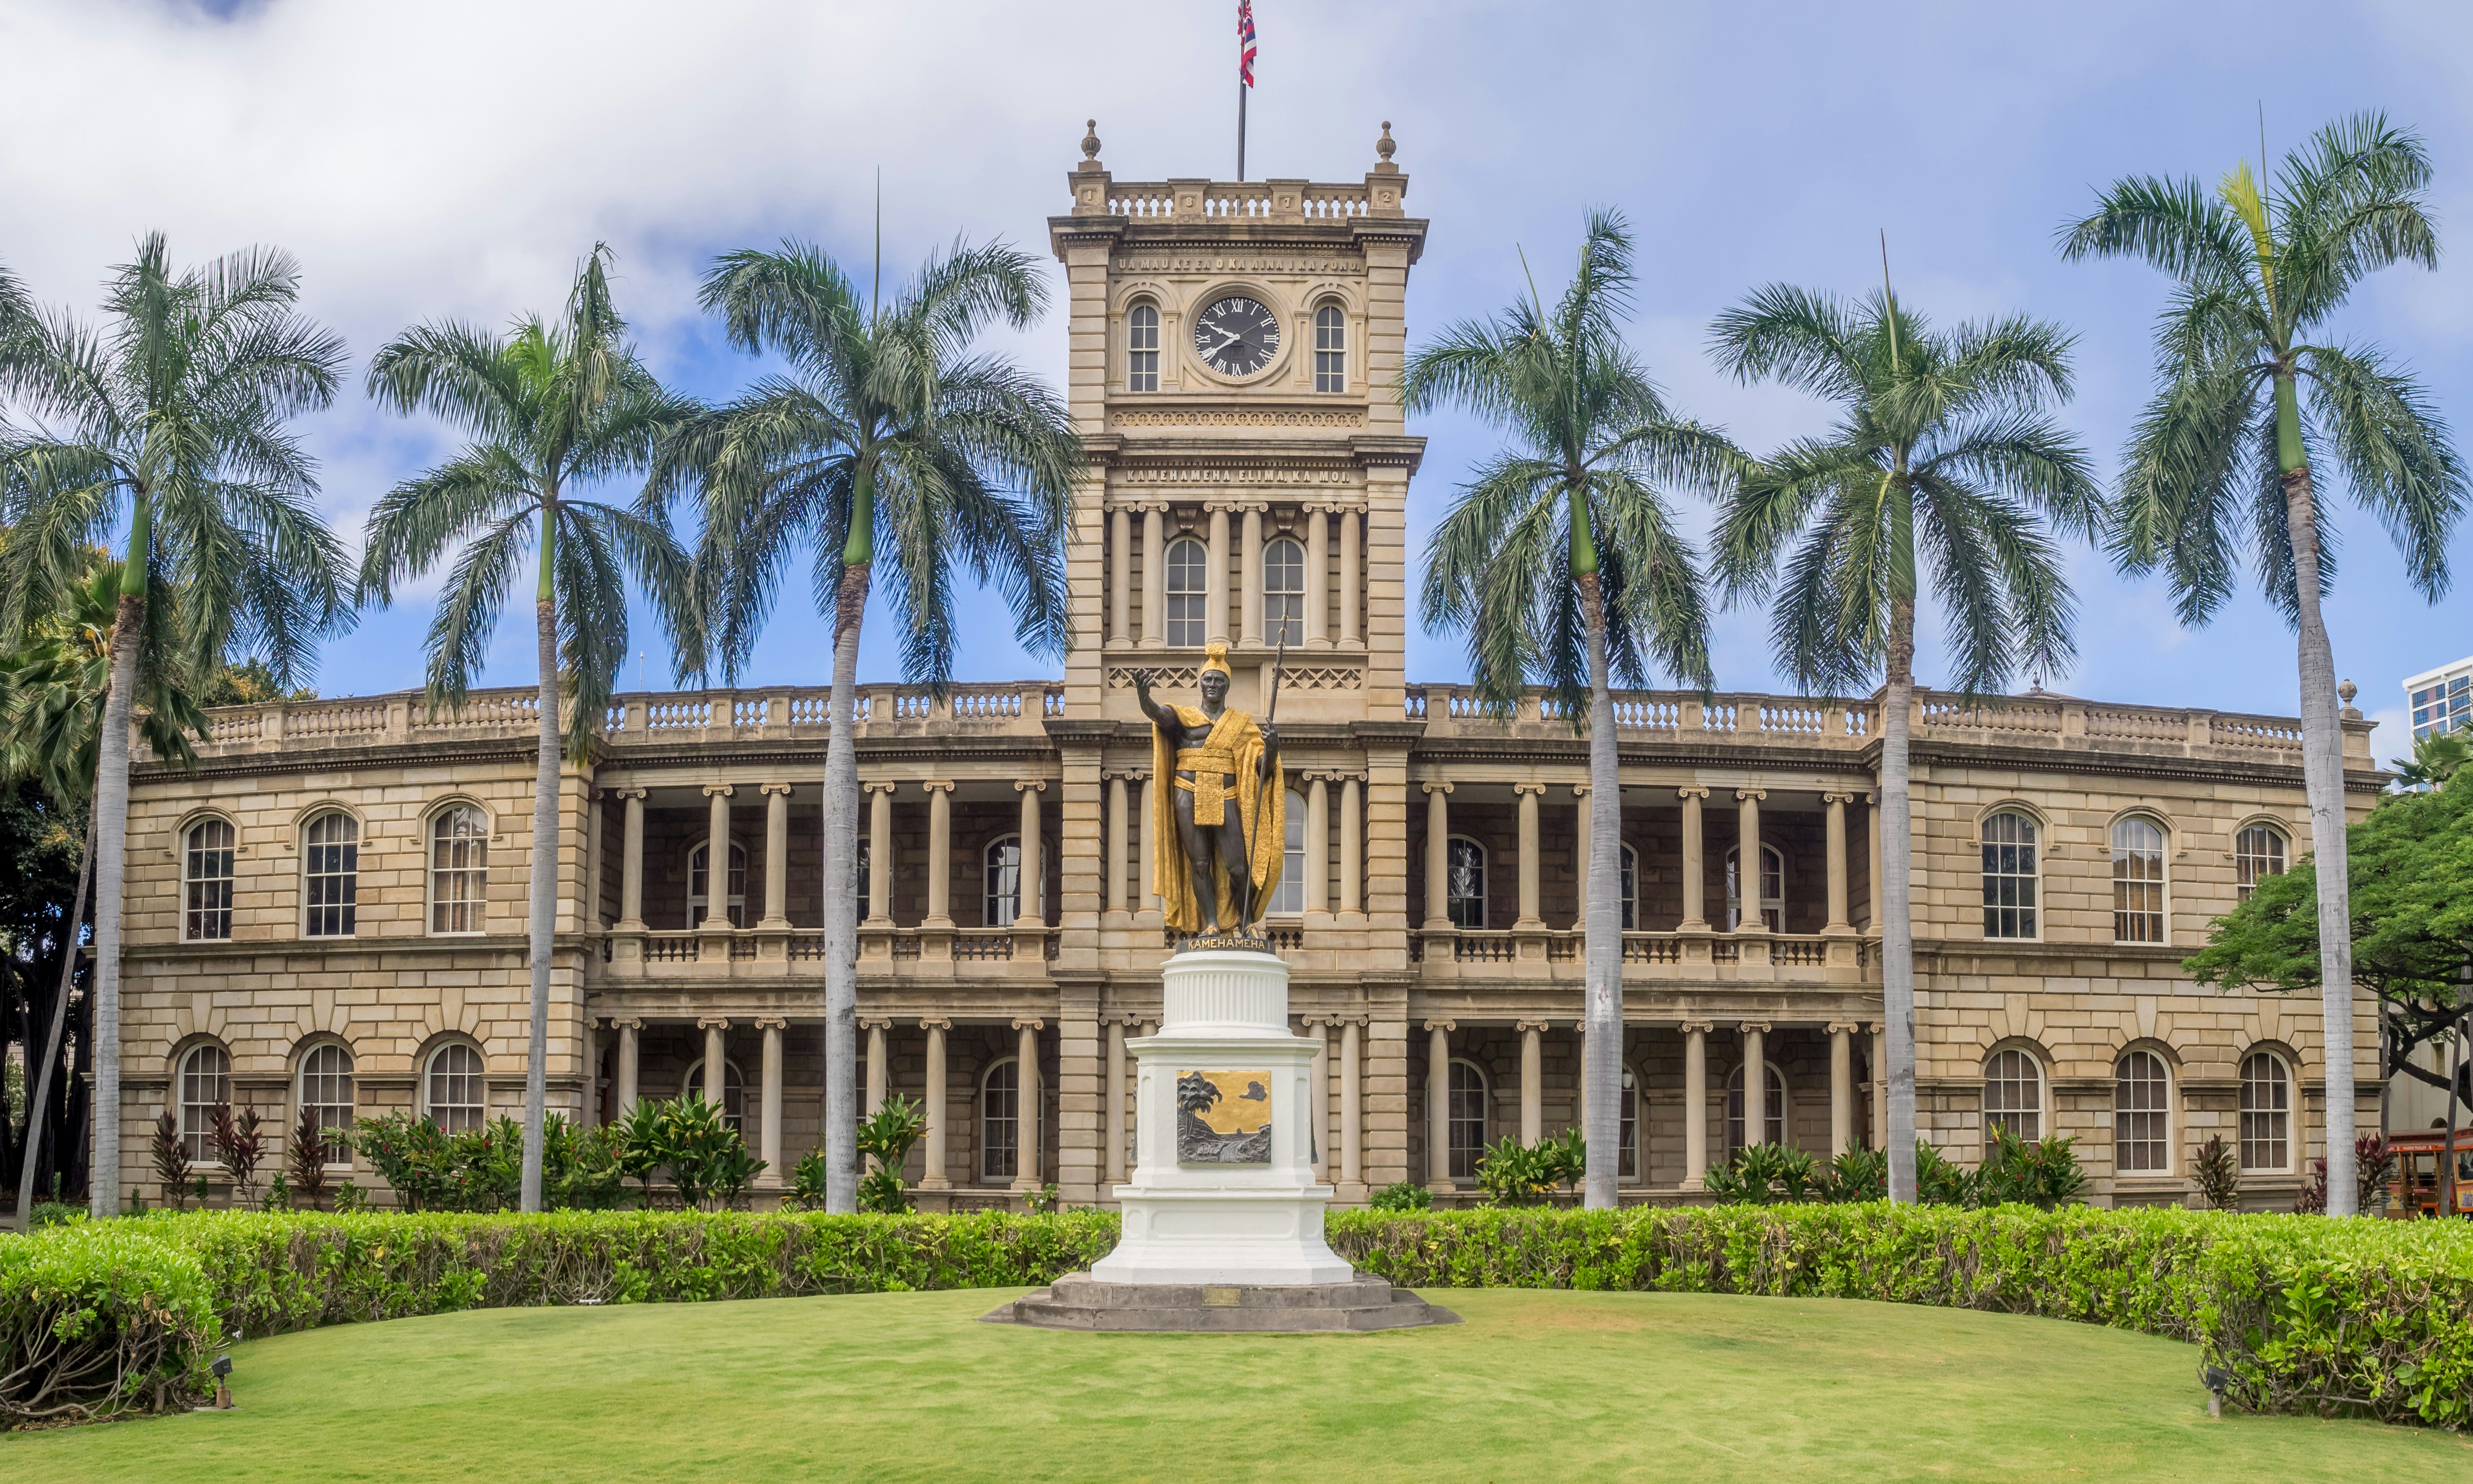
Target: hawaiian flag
x,y
1245,40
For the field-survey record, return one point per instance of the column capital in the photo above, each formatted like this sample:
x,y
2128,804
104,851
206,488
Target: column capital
x,y
1580,790
1691,791
712,1023
1030,1024
1533,1025
771,1023
1438,787
1432,1026
1528,788
1876,1027
783,789
1021,785
1749,1026
720,790
625,1023
933,785
1700,1027
1837,799
1843,1027
934,1023
875,1022
1751,793
878,786
630,791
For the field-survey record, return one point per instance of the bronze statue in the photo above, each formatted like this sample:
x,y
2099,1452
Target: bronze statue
x,y
1213,869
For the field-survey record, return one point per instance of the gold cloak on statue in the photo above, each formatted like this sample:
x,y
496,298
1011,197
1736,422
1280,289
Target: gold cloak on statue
x,y
1262,808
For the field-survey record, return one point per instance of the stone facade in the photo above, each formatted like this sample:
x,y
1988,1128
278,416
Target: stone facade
x,y
1434,922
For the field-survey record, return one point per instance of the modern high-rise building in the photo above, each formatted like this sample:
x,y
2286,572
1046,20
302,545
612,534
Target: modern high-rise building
x,y
2442,699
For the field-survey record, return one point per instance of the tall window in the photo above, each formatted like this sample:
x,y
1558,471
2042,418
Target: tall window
x,y
330,864
1772,1121
2137,881
1188,588
861,889
458,1102
700,885
1290,898
1466,1118
2258,852
1630,890
325,1094
1464,882
1772,889
1284,591
1330,350
2009,875
207,878
2014,1095
205,1084
733,1090
2142,1114
1627,1136
1142,349
1003,879
2266,1113
1000,1121
459,870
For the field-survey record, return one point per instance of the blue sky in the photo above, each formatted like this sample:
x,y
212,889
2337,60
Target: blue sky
x,y
457,160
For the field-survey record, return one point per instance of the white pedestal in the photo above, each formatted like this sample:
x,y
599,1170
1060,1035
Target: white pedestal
x,y
1219,1223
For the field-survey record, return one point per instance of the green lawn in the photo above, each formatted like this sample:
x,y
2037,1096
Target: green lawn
x,y
1534,1386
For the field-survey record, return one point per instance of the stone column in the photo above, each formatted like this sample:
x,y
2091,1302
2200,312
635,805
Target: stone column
x,y
1317,866
1144,853
1842,1086
716,1077
1249,557
1352,1112
1879,1084
624,1092
1530,918
589,887
1317,634
769,1111
1318,1098
1027,1104
1351,579
777,857
879,1072
1153,576
631,864
1756,1083
716,859
1748,860
1215,582
879,853
1872,846
1695,1103
1120,575
1532,1082
1836,836
1117,864
932,1177
1116,1120
1438,1104
591,1073
940,855
1581,831
1034,862
1695,869
1438,856
1352,850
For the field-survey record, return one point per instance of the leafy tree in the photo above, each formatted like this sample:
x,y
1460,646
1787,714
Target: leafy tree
x,y
885,444
171,427
886,1137
1562,561
2221,468
1945,459
551,408
248,682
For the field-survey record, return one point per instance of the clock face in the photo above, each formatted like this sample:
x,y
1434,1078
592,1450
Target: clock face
x,y
1236,336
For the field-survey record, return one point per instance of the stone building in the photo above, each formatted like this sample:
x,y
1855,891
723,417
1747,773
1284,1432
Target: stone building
x,y
330,909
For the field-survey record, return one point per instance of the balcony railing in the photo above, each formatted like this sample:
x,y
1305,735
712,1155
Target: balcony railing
x,y
1561,954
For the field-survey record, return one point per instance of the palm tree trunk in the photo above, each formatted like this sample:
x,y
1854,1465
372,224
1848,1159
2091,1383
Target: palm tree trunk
x,y
1601,1049
545,871
1897,926
111,869
42,1090
2322,778
841,907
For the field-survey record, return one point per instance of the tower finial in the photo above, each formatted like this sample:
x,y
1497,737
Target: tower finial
x,y
1091,141
1383,146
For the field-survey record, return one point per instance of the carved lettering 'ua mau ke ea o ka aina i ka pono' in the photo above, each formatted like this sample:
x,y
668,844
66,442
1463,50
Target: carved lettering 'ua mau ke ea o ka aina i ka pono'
x,y
1214,867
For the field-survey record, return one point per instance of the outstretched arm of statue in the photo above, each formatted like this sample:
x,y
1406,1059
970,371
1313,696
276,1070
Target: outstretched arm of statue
x,y
1161,715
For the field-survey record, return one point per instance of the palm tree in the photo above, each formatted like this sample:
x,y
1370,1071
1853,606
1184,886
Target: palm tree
x,y
2218,469
170,426
549,408
885,443
1561,559
1943,455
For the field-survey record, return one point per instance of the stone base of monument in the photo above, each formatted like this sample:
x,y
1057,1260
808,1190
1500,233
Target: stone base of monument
x,y
1223,1219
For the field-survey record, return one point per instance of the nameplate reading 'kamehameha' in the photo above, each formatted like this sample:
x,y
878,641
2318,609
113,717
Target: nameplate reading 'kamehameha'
x,y
1223,1118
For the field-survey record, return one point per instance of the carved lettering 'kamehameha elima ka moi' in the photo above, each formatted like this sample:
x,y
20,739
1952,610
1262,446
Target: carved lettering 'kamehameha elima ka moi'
x,y
1215,868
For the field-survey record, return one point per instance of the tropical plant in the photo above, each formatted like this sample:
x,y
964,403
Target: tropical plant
x,y
171,1153
884,443
2042,1173
305,1155
171,426
886,1137
1561,561
2436,761
1513,1174
1945,462
1765,1175
240,1143
2220,471
551,408
278,1193
1856,1175
1940,1181
1402,1195
2214,1173
707,1158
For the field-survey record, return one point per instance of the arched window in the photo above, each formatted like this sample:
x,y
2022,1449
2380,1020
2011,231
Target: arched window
x,y
1630,890
700,885
2009,875
1627,1136
2266,1113
207,878
1466,1118
458,1102
206,1085
1464,882
1772,889
733,1090
1772,1129
1290,898
325,1093
2014,1095
1189,589
1284,591
1330,350
1002,879
2259,852
1141,348
2137,881
459,870
1000,1121
330,874
2142,1114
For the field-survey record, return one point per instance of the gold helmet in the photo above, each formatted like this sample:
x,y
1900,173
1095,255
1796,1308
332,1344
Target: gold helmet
x,y
1214,656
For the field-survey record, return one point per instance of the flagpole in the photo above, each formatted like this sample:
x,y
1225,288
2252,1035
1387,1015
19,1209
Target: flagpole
x,y
1241,129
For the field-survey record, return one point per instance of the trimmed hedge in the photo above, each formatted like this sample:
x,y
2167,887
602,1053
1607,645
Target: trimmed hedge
x,y
2304,1313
